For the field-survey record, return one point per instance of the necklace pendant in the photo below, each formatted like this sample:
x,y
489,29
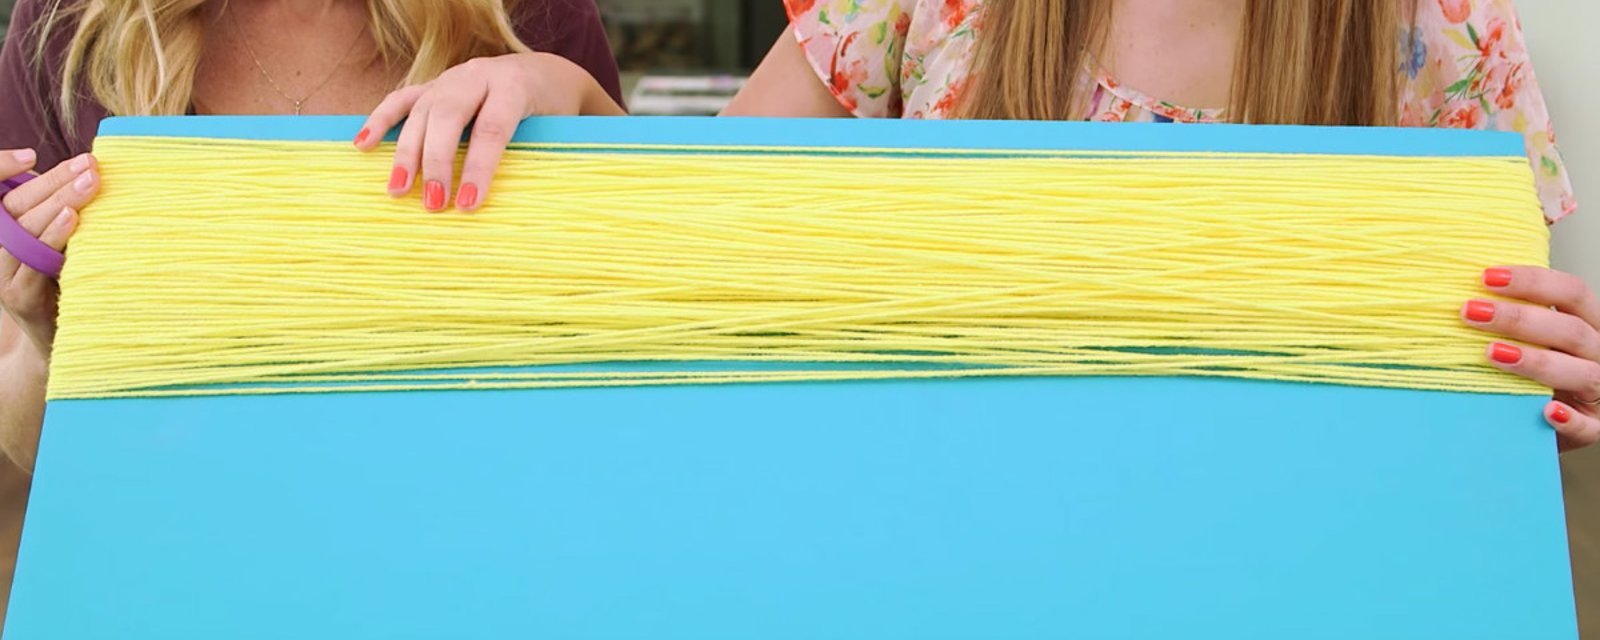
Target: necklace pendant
x,y
297,104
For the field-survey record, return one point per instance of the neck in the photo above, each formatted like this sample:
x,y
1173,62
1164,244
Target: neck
x,y
299,9
1178,50
1188,11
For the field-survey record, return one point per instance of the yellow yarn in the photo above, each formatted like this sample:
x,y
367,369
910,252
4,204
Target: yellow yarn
x,y
212,267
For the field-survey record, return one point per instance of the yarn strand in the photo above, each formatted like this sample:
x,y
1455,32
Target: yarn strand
x,y
212,267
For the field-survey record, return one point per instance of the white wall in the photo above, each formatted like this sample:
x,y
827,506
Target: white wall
x,y
1566,53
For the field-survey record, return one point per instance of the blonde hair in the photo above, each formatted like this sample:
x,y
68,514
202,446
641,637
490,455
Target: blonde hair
x,y
138,57
1325,62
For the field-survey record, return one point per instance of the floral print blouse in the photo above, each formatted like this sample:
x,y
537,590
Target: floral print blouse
x,y
1465,67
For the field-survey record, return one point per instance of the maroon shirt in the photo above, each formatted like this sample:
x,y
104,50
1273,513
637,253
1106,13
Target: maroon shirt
x,y
29,117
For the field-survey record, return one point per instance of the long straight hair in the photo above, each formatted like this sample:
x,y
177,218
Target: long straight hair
x,y
1326,62
138,57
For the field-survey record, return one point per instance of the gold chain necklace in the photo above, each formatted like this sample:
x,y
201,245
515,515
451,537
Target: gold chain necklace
x,y
298,104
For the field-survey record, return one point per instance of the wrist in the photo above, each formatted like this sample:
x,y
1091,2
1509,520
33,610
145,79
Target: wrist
x,y
24,374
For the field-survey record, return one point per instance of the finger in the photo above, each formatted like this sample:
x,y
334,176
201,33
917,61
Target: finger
x,y
1547,287
408,150
74,195
31,296
389,113
446,123
1574,429
1553,369
60,229
21,293
36,191
491,132
13,276
16,162
1537,325
38,219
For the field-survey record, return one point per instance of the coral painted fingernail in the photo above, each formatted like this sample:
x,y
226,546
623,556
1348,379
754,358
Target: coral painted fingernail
x,y
1497,277
1505,354
363,135
433,195
1480,311
1560,414
468,198
397,178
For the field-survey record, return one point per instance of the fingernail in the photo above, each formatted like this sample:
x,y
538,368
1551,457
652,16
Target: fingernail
x,y
362,135
1480,311
66,218
468,198
79,164
84,182
1497,277
24,156
397,178
433,195
1560,414
1505,354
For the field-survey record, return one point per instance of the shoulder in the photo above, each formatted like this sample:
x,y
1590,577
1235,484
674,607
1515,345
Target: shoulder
x,y
1469,29
1464,12
1461,37
30,19
542,24
859,48
1468,67
25,12
571,29
30,67
873,25
40,34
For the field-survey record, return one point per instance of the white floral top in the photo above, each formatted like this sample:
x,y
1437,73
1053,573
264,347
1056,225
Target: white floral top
x,y
1465,67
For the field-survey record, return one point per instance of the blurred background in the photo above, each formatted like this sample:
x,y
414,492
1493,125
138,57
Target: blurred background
x,y
688,57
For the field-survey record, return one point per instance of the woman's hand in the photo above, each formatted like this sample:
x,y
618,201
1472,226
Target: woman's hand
x,y
46,206
494,95
1564,322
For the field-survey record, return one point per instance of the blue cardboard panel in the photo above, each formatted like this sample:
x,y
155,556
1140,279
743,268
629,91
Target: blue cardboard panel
x,y
1064,508
893,134
1017,508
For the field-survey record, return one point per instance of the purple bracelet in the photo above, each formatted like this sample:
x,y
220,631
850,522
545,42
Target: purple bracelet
x,y
26,247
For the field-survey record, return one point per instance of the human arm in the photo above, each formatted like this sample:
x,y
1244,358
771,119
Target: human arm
x,y
47,207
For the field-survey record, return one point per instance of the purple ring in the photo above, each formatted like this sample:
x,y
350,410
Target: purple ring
x,y
26,247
